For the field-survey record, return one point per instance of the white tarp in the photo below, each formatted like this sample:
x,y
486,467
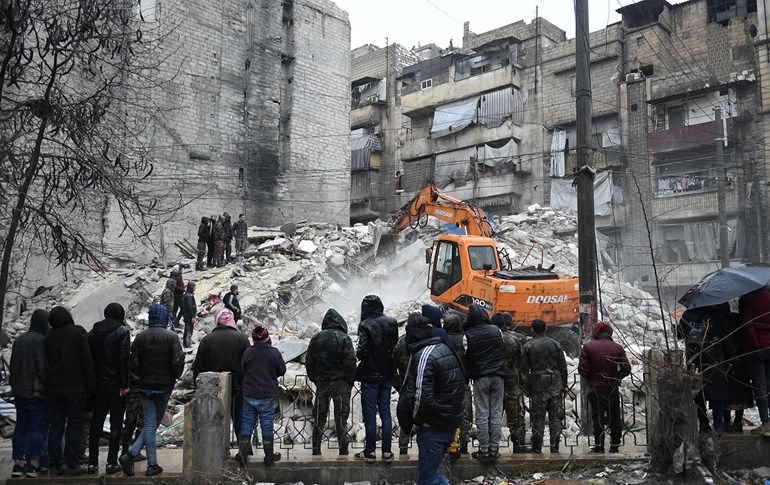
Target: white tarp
x,y
564,195
495,156
557,153
453,117
453,166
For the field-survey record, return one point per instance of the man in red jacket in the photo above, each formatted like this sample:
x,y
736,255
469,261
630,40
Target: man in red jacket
x,y
604,364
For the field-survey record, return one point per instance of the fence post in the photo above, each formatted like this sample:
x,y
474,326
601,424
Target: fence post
x,y
207,428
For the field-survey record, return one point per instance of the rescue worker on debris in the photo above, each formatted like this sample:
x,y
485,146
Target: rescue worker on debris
x,y
227,226
241,232
218,235
515,381
546,371
176,273
231,302
204,236
210,254
485,357
189,313
331,365
604,364
167,299
431,397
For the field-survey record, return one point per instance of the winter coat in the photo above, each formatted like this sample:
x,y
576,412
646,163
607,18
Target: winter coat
x,y
204,230
110,343
157,359
240,230
485,349
70,366
189,305
29,365
231,303
167,296
227,227
261,366
377,336
218,231
222,351
330,355
602,361
434,387
179,287
755,315
705,331
545,365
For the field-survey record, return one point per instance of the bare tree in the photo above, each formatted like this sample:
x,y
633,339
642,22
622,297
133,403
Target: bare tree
x,y
73,81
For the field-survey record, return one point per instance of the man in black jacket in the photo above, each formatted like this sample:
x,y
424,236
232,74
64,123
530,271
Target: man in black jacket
x,y
189,312
28,374
227,225
432,396
231,302
377,337
157,362
204,237
485,357
110,343
331,364
222,351
70,378
453,324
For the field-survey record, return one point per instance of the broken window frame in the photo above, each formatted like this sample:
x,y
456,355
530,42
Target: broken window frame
x,y
721,11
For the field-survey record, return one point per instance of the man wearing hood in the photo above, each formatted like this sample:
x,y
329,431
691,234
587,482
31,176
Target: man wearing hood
x,y
179,287
70,378
28,374
110,343
377,337
204,237
515,381
189,312
546,370
453,324
221,351
432,396
227,226
604,363
485,357
157,362
331,365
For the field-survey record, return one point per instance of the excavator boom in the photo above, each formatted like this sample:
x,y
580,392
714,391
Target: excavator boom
x,y
431,202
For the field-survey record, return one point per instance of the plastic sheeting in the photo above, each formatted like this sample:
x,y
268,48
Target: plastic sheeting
x,y
498,106
361,149
454,117
417,174
454,165
495,156
564,195
557,153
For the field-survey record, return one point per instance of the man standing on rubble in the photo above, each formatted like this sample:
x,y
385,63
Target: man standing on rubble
x,y
29,371
218,234
189,312
231,302
110,343
227,226
157,361
604,363
204,236
176,273
241,232
485,356
377,337
70,379
221,351
546,370
515,380
210,253
331,366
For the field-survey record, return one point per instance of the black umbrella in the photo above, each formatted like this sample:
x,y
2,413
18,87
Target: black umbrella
x,y
725,284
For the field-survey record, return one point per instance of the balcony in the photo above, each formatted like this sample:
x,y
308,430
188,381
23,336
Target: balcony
x,y
366,115
685,138
422,100
689,273
470,136
692,205
483,187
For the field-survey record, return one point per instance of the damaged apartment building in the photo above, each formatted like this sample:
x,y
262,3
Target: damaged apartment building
x,y
493,122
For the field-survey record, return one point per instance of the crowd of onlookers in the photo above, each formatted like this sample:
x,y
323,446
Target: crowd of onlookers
x,y
449,370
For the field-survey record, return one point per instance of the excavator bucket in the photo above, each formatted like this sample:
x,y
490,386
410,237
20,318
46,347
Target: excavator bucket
x,y
387,246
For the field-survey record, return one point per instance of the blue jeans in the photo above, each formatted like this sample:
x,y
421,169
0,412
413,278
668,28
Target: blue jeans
x,y
375,396
153,407
31,417
431,446
253,409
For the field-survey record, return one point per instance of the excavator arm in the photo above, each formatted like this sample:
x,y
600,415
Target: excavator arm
x,y
431,202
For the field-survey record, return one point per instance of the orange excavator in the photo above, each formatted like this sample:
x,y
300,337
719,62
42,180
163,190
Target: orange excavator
x,y
468,268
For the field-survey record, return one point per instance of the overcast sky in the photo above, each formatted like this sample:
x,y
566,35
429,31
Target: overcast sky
x,y
409,22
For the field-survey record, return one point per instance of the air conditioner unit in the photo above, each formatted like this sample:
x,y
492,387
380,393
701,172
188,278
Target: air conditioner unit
x,y
633,76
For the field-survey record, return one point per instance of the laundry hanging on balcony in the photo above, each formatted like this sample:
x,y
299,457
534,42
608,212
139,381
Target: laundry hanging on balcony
x,y
500,105
564,194
453,117
453,167
493,157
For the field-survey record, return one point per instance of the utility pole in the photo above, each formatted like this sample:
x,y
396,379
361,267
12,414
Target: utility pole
x,y
724,250
585,176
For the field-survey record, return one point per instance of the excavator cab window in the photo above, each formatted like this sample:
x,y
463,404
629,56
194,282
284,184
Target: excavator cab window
x,y
446,271
482,257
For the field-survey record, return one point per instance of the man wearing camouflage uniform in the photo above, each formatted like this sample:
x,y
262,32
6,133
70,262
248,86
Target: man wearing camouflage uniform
x,y
546,368
514,380
240,232
204,236
331,365
218,234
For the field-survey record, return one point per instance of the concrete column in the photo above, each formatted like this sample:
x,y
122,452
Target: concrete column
x,y
207,428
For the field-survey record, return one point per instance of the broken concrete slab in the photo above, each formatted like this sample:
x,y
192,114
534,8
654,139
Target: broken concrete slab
x,y
291,349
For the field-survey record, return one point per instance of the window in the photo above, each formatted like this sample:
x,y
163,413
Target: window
x,y
446,271
721,11
481,255
677,116
428,83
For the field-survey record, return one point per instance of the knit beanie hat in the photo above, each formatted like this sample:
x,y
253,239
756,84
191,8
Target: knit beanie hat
x,y
115,311
225,317
158,315
260,335
59,317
